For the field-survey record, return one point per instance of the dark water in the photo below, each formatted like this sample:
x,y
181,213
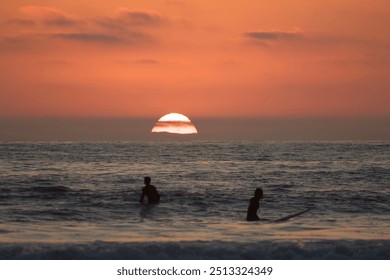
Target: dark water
x,y
83,192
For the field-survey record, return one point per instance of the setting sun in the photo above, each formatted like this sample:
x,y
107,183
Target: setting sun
x,y
175,123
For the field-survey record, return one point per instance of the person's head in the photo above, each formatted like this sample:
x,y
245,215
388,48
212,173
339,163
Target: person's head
x,y
147,180
259,193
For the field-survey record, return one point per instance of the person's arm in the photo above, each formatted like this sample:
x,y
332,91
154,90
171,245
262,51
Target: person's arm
x,y
142,196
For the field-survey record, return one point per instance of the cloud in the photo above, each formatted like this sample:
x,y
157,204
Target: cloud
x,y
60,22
21,41
274,35
132,38
87,37
13,43
125,18
20,22
316,41
49,16
129,38
123,26
145,61
138,62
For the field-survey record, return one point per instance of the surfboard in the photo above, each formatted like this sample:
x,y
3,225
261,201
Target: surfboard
x,y
286,218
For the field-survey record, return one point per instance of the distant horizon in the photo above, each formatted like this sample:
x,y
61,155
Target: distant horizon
x,y
139,129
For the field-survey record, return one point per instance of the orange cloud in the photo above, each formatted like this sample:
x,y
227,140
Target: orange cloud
x,y
274,35
123,27
20,22
125,18
87,37
49,16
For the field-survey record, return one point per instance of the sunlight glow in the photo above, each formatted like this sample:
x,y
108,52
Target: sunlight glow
x,y
175,123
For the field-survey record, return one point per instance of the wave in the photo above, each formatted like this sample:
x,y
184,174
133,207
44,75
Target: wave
x,y
270,250
51,189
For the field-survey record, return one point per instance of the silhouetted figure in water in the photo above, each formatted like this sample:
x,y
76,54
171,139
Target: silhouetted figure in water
x,y
150,192
254,205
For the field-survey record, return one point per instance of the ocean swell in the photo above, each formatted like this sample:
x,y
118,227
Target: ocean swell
x,y
196,250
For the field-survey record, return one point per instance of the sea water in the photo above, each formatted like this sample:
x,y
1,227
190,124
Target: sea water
x,y
74,200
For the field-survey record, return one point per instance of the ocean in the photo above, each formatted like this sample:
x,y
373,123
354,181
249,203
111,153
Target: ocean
x,y
79,200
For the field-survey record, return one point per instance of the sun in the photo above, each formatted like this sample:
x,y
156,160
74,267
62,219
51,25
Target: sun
x,y
174,123
174,117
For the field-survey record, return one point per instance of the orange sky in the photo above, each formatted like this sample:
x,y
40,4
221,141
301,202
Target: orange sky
x,y
246,58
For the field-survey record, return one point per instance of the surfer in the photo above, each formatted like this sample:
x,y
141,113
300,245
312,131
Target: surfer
x,y
254,205
150,192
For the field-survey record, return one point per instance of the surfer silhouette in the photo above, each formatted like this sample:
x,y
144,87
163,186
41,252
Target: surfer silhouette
x,y
150,192
254,205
